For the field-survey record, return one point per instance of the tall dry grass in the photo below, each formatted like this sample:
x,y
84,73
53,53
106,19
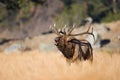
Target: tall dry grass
x,y
52,66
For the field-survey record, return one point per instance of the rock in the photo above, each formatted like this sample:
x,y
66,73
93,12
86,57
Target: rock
x,y
16,47
86,21
46,47
100,28
95,43
89,19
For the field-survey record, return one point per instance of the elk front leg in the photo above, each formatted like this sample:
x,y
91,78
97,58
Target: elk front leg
x,y
76,53
75,56
87,51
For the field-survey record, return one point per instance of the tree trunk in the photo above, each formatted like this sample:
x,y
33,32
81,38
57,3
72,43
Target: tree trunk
x,y
114,6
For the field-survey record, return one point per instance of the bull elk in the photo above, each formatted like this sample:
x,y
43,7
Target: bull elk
x,y
72,48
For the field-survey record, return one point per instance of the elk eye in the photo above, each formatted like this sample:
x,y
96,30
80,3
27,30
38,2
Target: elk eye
x,y
57,39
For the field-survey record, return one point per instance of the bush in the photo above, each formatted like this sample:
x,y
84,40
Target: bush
x,y
71,15
111,17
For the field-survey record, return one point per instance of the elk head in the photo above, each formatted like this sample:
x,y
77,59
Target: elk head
x,y
71,47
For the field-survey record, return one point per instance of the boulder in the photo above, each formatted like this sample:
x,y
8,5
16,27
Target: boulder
x,y
16,47
94,43
46,47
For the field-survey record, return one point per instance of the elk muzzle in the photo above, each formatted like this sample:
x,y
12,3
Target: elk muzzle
x,y
57,39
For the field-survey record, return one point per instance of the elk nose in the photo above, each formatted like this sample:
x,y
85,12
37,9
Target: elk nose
x,y
57,39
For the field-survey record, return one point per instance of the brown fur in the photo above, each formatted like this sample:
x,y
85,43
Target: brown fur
x,y
74,49
71,47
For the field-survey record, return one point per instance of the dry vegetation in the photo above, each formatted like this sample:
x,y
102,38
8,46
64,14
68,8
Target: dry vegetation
x,y
35,65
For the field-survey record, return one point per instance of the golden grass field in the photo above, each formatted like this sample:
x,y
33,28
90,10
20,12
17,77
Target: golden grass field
x,y
35,65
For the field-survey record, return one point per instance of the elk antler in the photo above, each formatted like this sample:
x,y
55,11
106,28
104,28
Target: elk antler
x,y
63,31
87,32
54,29
58,31
70,30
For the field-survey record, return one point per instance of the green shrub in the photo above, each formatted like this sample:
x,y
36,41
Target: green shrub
x,y
71,15
111,17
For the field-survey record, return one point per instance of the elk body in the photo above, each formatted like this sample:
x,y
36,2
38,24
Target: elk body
x,y
72,48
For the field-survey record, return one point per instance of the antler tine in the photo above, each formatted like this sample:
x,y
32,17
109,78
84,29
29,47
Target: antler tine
x,y
54,29
64,29
89,28
69,32
93,34
87,32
